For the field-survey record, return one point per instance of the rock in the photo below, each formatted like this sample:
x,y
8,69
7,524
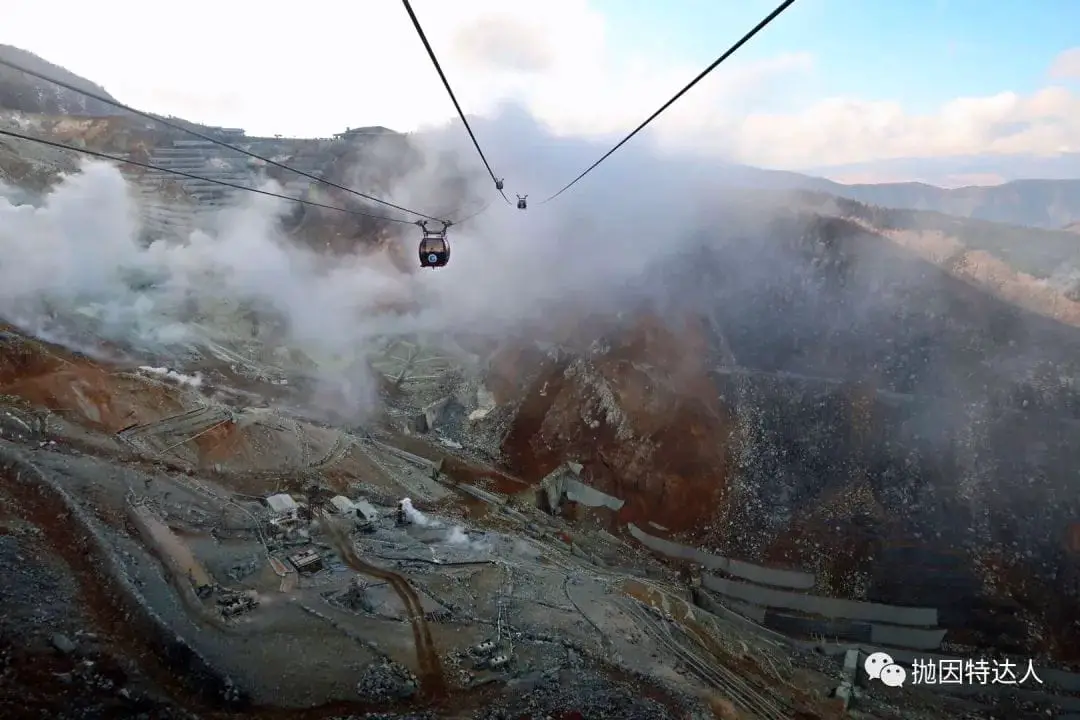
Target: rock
x,y
526,683
387,681
418,424
62,644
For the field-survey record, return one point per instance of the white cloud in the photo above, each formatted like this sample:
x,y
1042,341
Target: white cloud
x,y
947,180
1066,65
337,64
838,131
503,41
310,69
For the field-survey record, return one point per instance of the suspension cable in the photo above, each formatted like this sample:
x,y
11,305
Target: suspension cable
x,y
731,51
203,136
450,92
470,217
180,173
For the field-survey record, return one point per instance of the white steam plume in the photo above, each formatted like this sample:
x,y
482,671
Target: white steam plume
x,y
455,535
74,269
415,516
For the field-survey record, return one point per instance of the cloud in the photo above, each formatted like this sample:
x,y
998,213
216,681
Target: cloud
x,y
336,65
1066,65
503,41
948,180
837,131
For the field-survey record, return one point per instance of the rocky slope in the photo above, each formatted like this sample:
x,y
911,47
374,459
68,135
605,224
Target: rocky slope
x,y
860,413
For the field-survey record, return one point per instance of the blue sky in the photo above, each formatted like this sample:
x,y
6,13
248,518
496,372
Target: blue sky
x,y
920,52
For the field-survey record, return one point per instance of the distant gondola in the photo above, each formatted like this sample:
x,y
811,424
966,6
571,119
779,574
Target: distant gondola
x,y
434,248
521,205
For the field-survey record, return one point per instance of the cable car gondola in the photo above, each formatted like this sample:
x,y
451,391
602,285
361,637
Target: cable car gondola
x,y
499,184
434,248
521,205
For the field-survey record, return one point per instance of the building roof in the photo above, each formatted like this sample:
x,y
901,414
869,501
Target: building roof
x,y
282,503
367,510
341,503
370,130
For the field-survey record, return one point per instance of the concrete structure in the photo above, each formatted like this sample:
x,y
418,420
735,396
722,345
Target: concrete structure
x,y
282,506
341,504
173,552
821,606
362,131
563,483
213,162
365,511
306,561
748,571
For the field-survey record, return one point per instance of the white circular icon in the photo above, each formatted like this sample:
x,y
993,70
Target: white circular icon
x,y
432,257
893,675
875,663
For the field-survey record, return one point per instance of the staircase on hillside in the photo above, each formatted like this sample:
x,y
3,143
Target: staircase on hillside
x,y
202,158
206,160
309,156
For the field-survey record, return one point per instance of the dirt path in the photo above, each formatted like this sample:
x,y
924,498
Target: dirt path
x,y
432,679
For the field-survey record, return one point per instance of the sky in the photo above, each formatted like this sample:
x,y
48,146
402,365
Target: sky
x,y
829,84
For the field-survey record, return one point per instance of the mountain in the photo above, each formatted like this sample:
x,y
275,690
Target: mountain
x,y
1041,203
816,395
1036,203
1045,203
956,171
23,93
1036,251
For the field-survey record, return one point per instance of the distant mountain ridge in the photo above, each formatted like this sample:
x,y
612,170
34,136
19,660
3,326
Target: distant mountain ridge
x,y
1050,204
23,93
1046,204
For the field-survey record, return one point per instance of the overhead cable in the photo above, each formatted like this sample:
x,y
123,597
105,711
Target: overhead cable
x,y
731,51
180,173
204,136
450,92
470,217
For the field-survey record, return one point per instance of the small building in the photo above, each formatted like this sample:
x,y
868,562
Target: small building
x,y
341,504
365,511
361,131
306,561
282,505
225,133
